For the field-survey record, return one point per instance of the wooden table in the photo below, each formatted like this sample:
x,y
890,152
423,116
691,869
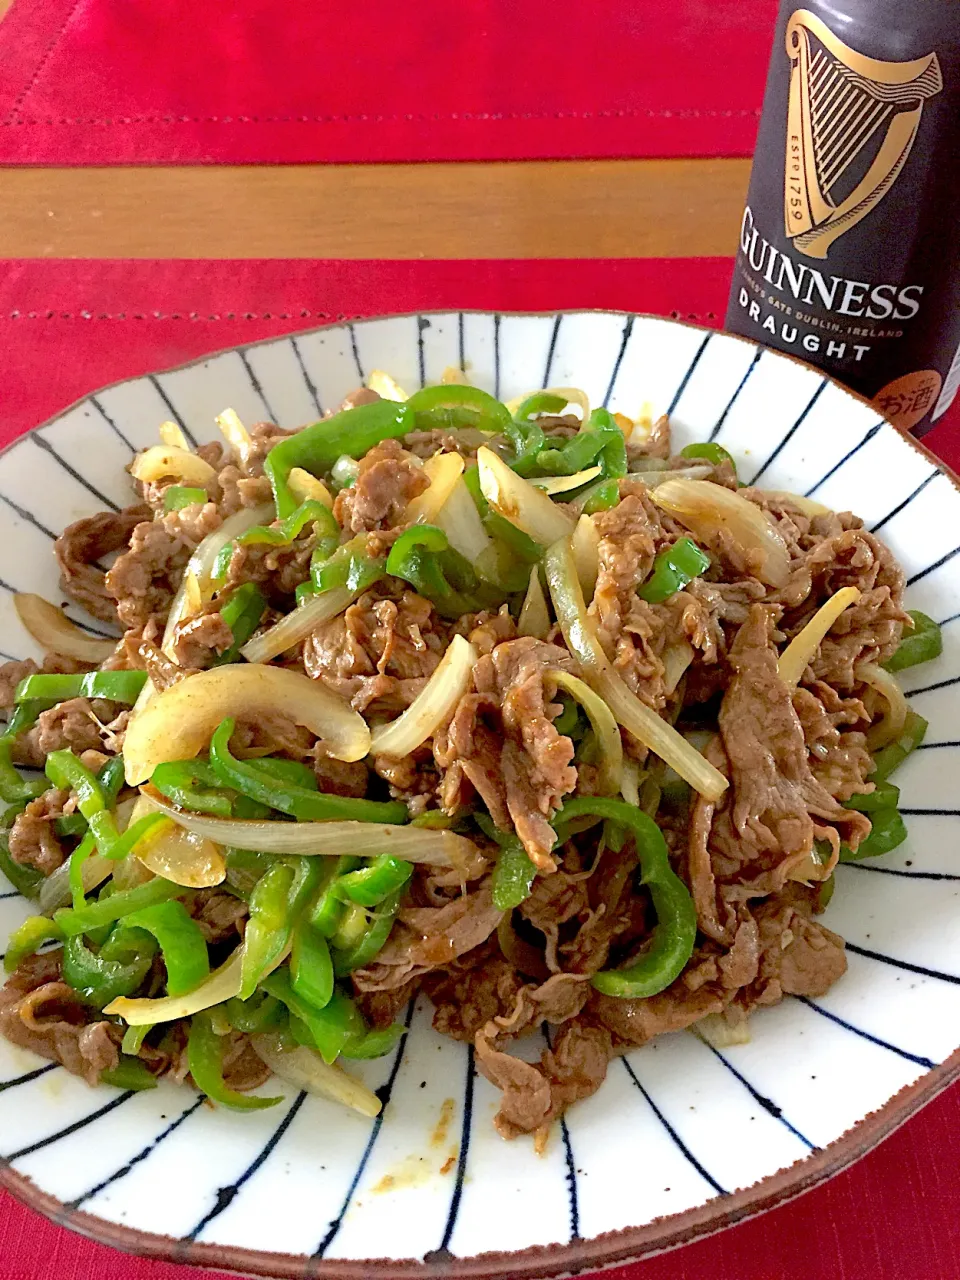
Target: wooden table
x,y
542,209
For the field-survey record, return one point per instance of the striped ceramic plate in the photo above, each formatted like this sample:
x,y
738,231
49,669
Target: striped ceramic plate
x,y
681,1138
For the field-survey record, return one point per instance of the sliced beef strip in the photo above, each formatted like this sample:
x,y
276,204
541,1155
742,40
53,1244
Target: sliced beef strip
x,y
86,541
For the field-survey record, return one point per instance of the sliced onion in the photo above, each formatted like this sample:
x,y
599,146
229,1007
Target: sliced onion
x,y
165,462
806,505
572,395
630,781
720,1033
435,702
330,839
453,376
55,889
53,630
200,566
443,471
170,434
385,386
534,617
586,555
656,477
296,626
563,484
305,1069
178,722
519,502
706,508
344,471
635,716
890,726
609,746
235,433
677,657
307,488
802,649
460,521
176,854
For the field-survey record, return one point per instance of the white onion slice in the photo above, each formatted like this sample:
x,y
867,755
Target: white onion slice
x,y
654,478
176,854
443,471
563,484
171,434
609,745
630,781
802,649
435,702
706,508
453,376
235,433
386,387
519,502
460,521
586,555
304,1068
635,716
165,462
53,630
298,624
534,617
806,505
330,839
890,727
177,724
676,658
307,488
55,890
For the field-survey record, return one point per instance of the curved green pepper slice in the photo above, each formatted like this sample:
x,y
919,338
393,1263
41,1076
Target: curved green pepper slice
x,y
676,929
181,943
673,569
453,405
205,1058
922,644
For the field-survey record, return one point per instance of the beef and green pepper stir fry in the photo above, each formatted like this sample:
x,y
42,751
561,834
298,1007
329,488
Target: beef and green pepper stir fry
x,y
504,704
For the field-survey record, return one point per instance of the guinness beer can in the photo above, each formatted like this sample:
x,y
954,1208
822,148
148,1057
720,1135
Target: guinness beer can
x,y
849,253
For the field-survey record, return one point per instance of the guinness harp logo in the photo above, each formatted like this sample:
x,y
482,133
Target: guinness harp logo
x,y
851,123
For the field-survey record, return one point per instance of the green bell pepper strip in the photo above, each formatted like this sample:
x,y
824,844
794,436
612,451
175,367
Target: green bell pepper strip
x,y
259,1013
293,772
422,556
181,943
26,880
568,719
345,566
887,831
673,569
329,1028
354,923
205,1059
315,449
312,511
70,826
676,929
134,1037
371,884
108,909
129,1073
528,442
178,780
70,774
244,869
117,686
311,969
454,405
893,755
130,838
306,806
884,796
540,402
87,846
345,960
221,565
13,788
602,496
29,938
179,496
922,644
375,1044
118,970
276,904
600,441
715,454
513,876
326,910
111,779
242,613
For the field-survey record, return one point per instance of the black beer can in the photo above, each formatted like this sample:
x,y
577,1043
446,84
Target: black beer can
x,y
849,253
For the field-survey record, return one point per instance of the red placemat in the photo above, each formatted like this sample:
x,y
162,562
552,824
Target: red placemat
x,y
68,327
278,81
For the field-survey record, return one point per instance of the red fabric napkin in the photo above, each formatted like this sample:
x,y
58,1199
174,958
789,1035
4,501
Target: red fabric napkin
x,y
277,81
69,327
